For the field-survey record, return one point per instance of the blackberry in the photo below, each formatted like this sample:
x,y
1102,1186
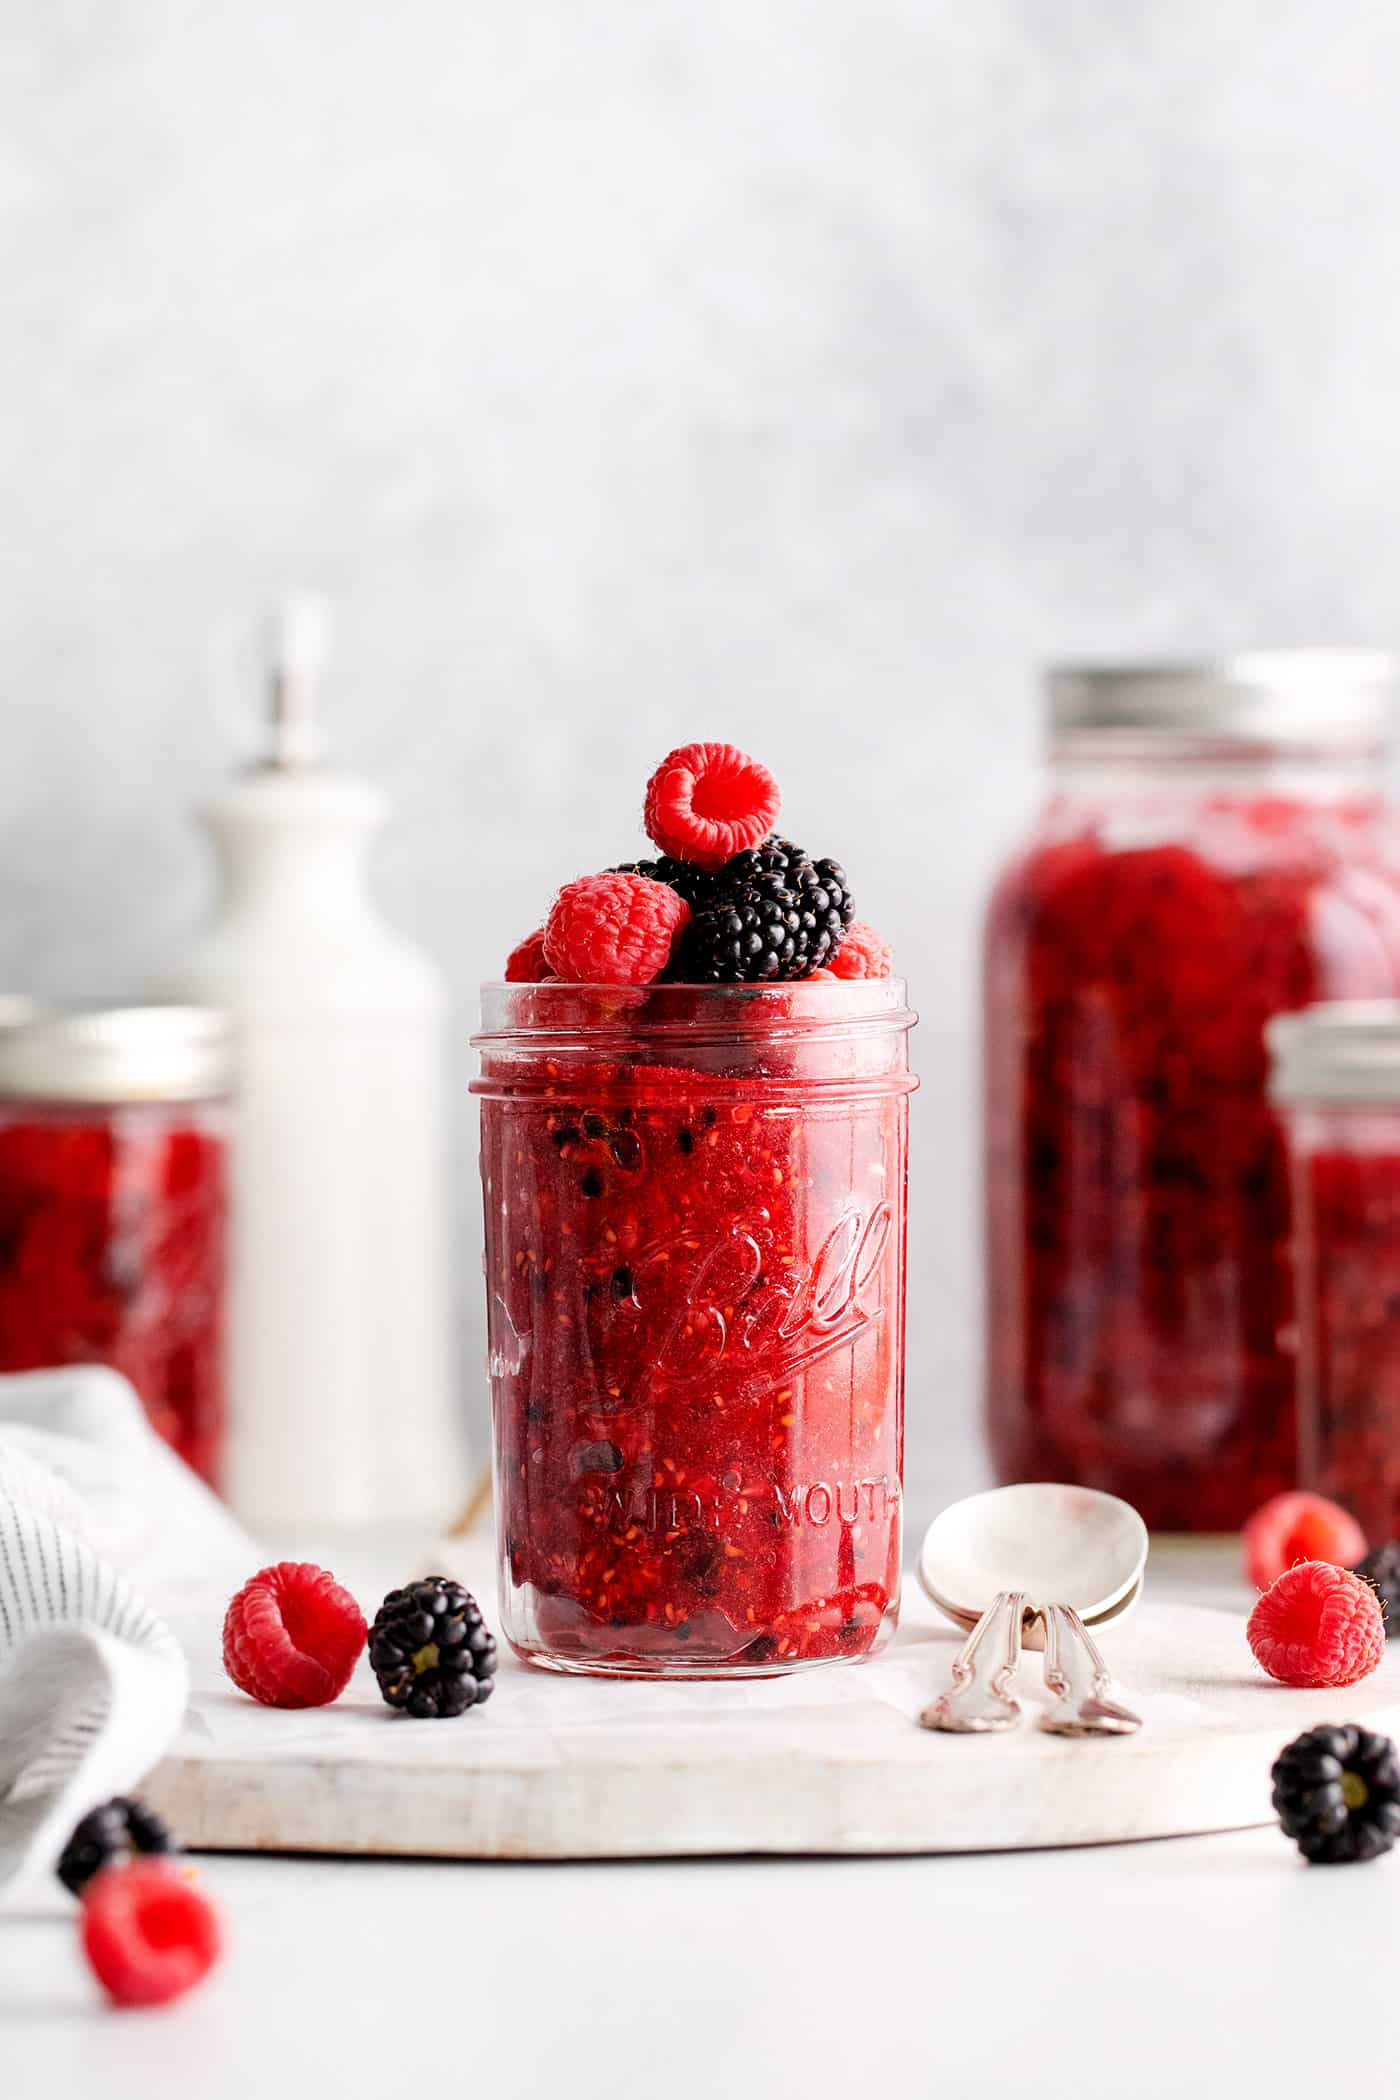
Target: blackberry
x,y
118,1830
1337,1793
1381,1568
696,885
773,914
431,1650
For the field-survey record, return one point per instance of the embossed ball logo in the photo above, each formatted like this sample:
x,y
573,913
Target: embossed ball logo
x,y
754,1305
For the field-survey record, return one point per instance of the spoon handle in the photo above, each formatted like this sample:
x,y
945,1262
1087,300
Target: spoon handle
x,y
1078,1676
979,1699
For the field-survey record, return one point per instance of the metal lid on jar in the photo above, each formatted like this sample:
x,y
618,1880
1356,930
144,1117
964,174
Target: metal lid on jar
x,y
1348,1050
118,1054
1325,698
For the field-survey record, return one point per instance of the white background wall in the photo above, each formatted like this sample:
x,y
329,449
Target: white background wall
x,y
795,371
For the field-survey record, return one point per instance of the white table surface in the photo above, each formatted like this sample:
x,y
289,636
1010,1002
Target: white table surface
x,y
1201,1966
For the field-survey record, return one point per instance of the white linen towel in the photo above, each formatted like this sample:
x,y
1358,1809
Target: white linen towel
x,y
93,1685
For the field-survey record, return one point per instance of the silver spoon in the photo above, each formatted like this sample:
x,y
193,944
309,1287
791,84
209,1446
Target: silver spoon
x,y
1068,1545
980,1701
1075,1558
1079,1678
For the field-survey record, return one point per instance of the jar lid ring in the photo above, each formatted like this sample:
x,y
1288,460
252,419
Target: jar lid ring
x,y
1326,698
118,1054
1337,1051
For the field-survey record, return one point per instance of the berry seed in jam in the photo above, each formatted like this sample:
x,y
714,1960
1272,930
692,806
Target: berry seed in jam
x,y
695,1274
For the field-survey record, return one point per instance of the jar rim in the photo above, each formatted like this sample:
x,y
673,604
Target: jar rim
x,y
1325,699
735,1012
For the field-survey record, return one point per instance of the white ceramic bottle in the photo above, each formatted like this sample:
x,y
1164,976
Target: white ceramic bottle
x,y
341,1403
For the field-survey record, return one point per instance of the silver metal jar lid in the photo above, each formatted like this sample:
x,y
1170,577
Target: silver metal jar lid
x,y
1318,697
1348,1050
118,1054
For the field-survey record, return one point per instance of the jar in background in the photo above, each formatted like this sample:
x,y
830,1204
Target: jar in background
x,y
1336,1076
695,1206
1215,849
113,1177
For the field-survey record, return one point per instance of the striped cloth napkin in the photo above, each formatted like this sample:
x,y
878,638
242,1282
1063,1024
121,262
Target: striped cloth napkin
x,y
102,1528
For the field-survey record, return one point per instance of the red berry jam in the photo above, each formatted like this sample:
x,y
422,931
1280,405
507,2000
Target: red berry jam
x,y
112,1252
1140,1303
1347,1197
695,1273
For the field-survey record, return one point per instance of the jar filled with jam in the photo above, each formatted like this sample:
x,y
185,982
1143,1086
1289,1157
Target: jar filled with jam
x,y
1215,849
695,1207
1336,1078
113,1197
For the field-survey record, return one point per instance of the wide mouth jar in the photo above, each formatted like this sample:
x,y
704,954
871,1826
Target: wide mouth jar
x,y
1215,848
695,1214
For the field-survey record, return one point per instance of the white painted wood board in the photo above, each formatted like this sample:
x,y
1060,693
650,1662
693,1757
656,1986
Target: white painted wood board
x,y
827,1762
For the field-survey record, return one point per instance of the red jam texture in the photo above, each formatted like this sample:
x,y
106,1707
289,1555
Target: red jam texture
x,y
1140,1307
112,1252
1349,1304
696,1314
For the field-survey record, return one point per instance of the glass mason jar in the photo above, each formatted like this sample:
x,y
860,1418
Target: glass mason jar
x,y
695,1207
113,1179
1215,850
1336,1076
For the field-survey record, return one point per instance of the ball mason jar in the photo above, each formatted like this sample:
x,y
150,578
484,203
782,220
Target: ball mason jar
x,y
1215,849
1336,1078
113,1192
695,1220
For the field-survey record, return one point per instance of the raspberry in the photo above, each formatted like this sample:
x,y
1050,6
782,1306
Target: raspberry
x,y
292,1636
1294,1527
526,964
1318,1625
149,1934
707,802
614,929
862,953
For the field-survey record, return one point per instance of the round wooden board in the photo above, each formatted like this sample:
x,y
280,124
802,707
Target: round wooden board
x,y
828,1762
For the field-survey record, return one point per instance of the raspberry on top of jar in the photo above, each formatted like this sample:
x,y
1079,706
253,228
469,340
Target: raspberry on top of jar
x,y
693,1145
